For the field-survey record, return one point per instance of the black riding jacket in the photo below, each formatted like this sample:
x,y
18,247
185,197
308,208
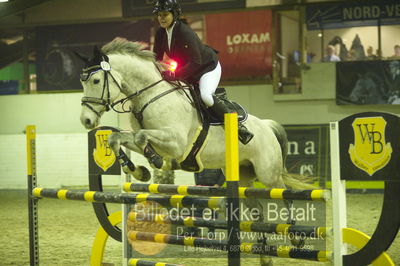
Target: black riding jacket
x,y
193,57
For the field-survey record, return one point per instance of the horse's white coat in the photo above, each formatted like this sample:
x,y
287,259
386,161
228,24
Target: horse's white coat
x,y
171,122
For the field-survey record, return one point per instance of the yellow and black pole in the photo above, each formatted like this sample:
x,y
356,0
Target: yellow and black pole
x,y
232,183
32,202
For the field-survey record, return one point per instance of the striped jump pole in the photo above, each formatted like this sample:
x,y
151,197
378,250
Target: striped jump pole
x,y
244,192
129,198
270,228
137,262
250,248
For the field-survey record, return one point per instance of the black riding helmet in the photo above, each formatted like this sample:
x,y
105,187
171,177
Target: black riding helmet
x,y
168,5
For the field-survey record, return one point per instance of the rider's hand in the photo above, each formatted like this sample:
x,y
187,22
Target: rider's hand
x,y
168,75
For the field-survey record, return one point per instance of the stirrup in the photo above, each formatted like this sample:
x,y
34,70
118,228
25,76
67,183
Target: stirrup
x,y
219,108
245,136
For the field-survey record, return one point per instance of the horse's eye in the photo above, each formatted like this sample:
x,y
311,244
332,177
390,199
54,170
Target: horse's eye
x,y
96,81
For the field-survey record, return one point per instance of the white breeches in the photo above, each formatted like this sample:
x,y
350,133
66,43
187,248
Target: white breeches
x,y
208,84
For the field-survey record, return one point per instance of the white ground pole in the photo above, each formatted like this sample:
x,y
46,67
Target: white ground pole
x,y
338,198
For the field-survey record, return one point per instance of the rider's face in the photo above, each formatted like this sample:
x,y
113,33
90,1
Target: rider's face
x,y
165,19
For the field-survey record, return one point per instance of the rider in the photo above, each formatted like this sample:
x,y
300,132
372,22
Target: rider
x,y
197,63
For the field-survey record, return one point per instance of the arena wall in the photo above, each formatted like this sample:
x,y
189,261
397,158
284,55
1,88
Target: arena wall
x,y
62,141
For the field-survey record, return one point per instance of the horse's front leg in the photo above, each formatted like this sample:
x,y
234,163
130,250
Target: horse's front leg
x,y
127,139
166,141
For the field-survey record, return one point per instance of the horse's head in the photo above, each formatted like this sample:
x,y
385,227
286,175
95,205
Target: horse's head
x,y
101,86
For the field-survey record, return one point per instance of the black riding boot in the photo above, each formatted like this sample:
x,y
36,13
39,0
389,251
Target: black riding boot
x,y
219,109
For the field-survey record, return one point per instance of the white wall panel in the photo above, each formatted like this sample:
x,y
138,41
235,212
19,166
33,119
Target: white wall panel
x,y
51,113
62,160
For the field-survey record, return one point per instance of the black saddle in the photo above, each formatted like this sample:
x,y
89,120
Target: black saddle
x,y
192,162
209,117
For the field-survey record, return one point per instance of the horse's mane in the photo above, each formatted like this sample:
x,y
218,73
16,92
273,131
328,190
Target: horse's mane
x,y
123,46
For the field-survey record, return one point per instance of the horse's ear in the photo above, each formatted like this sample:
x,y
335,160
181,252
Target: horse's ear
x,y
84,58
96,52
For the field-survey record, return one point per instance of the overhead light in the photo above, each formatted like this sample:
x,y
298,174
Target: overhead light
x,y
320,35
3,0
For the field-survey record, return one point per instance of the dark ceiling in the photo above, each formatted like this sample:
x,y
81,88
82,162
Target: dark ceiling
x,y
16,7
10,38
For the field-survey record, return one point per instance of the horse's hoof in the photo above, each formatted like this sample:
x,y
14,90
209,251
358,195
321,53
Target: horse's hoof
x,y
126,170
146,175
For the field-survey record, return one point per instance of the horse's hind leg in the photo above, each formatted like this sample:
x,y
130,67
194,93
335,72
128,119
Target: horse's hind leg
x,y
116,139
297,241
276,181
252,204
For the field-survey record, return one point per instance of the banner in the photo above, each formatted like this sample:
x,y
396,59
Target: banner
x,y
368,82
8,87
243,40
58,68
308,151
135,8
355,14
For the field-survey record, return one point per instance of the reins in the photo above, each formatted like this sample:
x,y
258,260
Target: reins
x,y
108,105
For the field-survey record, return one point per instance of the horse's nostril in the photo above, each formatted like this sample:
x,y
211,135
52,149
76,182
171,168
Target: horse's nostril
x,y
87,121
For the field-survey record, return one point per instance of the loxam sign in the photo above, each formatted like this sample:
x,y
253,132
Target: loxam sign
x,y
248,38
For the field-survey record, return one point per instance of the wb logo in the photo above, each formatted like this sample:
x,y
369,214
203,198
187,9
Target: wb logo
x,y
370,152
374,138
103,143
102,154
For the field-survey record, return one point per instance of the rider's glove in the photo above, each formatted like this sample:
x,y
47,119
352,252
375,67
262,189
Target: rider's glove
x,y
168,75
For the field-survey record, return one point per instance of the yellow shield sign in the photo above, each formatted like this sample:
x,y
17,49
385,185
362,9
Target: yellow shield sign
x,y
370,152
102,154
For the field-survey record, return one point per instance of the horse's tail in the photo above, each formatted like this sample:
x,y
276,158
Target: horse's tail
x,y
298,182
293,181
280,134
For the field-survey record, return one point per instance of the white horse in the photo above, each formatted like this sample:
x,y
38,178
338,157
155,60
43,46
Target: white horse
x,y
170,123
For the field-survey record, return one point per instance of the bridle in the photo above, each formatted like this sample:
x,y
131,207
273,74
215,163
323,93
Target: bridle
x,y
87,73
106,102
